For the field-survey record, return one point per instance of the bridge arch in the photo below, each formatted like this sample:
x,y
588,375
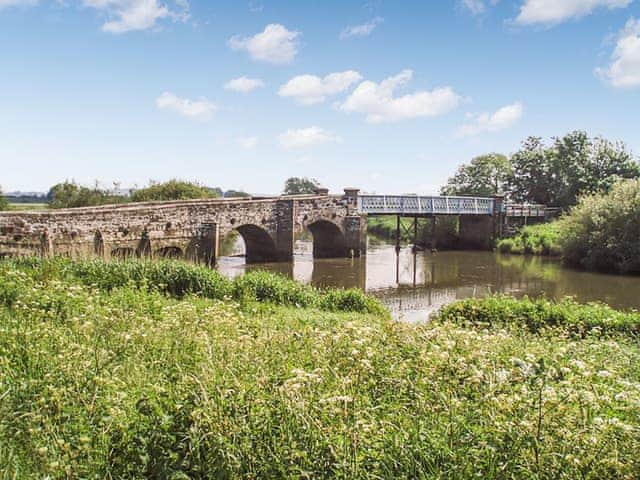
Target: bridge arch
x,y
171,252
259,245
328,239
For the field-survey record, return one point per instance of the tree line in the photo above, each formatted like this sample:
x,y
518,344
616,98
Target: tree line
x,y
555,175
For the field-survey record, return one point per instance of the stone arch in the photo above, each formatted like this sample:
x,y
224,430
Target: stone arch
x,y
123,253
169,252
328,240
259,245
98,244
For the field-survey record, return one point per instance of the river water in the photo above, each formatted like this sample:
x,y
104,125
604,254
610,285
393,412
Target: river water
x,y
415,285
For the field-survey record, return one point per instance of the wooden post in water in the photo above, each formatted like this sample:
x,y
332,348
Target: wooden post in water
x,y
397,233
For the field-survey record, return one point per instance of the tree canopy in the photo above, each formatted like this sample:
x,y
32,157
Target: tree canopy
x,y
574,165
173,190
300,185
69,194
555,175
486,175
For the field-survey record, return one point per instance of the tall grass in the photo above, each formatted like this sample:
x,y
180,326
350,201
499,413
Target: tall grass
x,y
540,239
180,279
129,382
537,315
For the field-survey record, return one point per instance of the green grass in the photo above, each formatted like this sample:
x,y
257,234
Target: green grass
x,y
179,279
537,315
28,206
126,381
541,239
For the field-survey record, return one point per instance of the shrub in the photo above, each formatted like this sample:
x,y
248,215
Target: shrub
x,y
541,239
602,231
269,287
351,300
535,315
172,190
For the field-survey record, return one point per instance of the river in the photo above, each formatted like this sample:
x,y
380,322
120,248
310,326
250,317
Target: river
x,y
415,285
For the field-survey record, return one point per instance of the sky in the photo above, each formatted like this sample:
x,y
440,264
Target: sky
x,y
386,96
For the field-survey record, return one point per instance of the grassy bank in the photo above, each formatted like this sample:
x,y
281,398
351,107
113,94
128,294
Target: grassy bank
x,y
179,279
541,239
131,382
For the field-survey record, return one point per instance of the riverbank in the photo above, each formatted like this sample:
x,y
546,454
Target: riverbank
x,y
541,239
116,378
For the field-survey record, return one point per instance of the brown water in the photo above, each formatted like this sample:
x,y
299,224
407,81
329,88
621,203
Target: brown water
x,y
415,285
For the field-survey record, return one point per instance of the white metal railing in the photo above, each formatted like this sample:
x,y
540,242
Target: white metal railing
x,y
439,205
433,205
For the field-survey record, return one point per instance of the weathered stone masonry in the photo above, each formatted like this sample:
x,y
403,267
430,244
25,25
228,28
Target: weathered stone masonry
x,y
191,229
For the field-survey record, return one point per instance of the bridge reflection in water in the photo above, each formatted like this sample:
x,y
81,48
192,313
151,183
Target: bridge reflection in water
x,y
415,285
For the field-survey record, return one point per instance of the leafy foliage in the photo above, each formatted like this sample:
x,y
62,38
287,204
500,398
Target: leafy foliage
x,y
573,165
70,195
300,185
541,239
486,175
602,231
173,190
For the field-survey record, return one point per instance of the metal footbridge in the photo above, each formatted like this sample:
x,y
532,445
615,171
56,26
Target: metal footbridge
x,y
414,205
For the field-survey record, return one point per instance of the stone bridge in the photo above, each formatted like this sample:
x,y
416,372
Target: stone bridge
x,y
191,229
194,229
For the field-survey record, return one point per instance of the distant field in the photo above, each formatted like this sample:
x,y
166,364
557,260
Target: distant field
x,y
28,206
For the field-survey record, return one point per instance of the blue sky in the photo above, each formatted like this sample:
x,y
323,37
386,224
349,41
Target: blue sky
x,y
388,96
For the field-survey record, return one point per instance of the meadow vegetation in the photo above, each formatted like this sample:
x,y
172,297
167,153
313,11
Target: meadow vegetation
x,y
540,239
129,370
601,233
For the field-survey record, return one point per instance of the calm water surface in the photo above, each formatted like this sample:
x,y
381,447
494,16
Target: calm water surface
x,y
415,285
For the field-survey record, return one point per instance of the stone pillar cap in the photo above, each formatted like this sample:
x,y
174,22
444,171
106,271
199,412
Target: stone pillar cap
x,y
322,191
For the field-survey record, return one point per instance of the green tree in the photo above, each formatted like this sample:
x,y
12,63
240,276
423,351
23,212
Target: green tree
x,y
70,195
485,175
4,203
572,166
173,190
300,185
236,194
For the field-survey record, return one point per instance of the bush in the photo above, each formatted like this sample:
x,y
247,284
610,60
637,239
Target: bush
x,y
536,315
602,231
541,239
173,190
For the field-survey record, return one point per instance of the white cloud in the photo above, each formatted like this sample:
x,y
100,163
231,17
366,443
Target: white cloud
x,y
130,15
244,84
309,89
248,142
377,101
306,137
550,12
17,3
275,44
501,119
624,70
363,30
201,109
